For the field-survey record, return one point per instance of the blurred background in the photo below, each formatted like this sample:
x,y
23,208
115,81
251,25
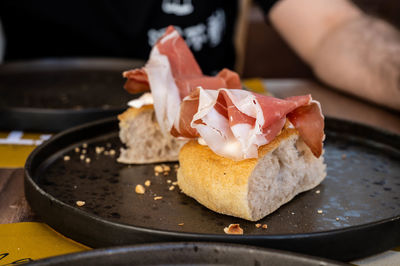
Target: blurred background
x,y
280,60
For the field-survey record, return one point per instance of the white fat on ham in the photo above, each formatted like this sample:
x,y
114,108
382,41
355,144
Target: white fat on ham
x,y
238,142
164,90
250,136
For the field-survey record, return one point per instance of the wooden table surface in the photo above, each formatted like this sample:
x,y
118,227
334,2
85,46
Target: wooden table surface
x,y
14,207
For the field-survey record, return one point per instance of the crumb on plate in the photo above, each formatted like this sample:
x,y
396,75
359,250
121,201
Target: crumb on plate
x,y
233,229
80,203
139,189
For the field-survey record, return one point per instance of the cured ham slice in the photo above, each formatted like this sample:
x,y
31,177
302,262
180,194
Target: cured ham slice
x,y
171,74
235,123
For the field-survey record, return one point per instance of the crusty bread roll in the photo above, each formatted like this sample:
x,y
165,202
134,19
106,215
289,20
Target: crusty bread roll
x,y
252,188
144,141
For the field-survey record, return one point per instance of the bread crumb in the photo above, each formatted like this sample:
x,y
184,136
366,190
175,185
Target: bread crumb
x,y
337,218
344,156
67,158
175,183
320,211
139,189
99,150
77,149
158,169
169,181
147,183
181,224
158,198
317,192
264,226
233,229
156,173
112,152
258,225
171,188
82,157
87,160
80,203
85,145
166,168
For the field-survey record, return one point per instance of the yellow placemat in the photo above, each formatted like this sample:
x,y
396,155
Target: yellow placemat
x,y
256,85
23,242
15,147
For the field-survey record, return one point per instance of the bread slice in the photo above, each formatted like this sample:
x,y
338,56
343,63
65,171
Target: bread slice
x,y
252,188
144,141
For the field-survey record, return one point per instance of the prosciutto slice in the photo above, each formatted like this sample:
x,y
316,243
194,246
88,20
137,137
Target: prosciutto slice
x,y
171,74
233,122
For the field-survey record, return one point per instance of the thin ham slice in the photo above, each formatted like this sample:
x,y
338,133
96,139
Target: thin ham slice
x,y
233,122
171,74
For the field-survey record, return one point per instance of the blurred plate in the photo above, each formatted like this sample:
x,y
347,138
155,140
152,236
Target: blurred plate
x,y
51,95
185,254
354,213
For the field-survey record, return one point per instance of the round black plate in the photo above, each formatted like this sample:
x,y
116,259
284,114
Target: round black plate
x,y
51,95
184,254
355,212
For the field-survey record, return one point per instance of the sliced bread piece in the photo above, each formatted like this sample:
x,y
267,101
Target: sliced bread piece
x,y
252,188
144,141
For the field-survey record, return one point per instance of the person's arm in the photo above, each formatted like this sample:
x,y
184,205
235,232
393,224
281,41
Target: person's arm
x,y
345,47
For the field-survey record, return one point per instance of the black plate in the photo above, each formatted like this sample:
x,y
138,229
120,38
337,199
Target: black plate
x,y
184,254
51,95
359,198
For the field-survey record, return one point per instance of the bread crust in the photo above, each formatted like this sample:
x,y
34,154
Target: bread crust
x,y
230,187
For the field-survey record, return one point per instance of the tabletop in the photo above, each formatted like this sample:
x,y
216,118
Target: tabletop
x,y
14,207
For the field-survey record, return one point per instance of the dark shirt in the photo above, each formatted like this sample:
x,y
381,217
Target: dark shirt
x,y
116,28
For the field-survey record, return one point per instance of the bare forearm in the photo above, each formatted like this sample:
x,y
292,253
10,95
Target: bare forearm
x,y
362,57
346,48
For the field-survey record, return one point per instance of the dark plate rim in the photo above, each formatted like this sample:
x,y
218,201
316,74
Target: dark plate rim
x,y
29,178
171,245
43,64
61,111
58,119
